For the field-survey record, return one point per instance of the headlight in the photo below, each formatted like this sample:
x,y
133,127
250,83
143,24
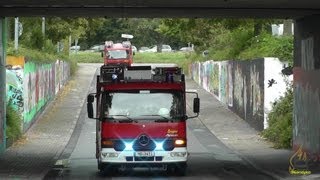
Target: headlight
x,y
159,146
178,154
128,146
111,155
180,143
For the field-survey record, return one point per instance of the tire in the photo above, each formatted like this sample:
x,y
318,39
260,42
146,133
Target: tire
x,y
179,169
107,169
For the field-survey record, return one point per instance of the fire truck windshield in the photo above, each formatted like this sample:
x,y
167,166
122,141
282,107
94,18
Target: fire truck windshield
x,y
144,105
117,54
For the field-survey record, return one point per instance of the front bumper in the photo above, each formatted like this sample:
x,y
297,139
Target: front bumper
x,y
177,155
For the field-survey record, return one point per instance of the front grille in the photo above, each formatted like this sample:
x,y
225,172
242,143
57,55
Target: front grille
x,y
148,147
168,145
159,158
129,158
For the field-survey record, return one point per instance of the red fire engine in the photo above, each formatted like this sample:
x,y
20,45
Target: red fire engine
x,y
141,118
118,53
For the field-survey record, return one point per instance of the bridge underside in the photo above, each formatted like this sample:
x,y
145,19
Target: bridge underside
x,y
306,122
160,12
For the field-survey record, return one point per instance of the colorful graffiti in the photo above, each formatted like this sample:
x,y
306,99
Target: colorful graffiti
x,y
237,84
3,42
230,85
223,82
29,89
256,98
14,88
306,111
41,83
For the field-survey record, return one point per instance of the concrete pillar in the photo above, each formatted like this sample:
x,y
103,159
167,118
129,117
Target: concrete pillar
x,y
2,84
306,118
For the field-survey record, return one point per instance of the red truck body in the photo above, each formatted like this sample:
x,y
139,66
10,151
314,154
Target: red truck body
x,y
118,53
141,118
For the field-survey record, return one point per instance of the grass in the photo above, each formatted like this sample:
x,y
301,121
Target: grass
x,y
14,121
86,57
280,122
179,58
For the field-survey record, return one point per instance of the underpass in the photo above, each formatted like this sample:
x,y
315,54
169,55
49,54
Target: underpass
x,y
306,63
217,150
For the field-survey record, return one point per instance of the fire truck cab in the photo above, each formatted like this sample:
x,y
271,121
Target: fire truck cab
x,y
141,118
118,53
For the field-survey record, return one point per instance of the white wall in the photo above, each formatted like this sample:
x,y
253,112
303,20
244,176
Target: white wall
x,y
272,70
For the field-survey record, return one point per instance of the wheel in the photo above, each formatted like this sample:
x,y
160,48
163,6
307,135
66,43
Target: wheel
x,y
179,169
107,169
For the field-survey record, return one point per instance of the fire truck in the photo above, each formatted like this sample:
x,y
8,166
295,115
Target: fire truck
x,y
141,118
118,53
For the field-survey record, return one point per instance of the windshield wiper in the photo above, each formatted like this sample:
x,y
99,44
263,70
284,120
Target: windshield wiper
x,y
123,120
164,119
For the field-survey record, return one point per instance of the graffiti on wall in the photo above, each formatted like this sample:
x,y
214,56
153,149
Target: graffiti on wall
x,y
237,84
14,88
230,85
306,132
223,82
255,98
215,78
239,88
37,92
41,83
2,55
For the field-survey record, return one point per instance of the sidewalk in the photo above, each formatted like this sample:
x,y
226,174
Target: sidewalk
x,y
34,155
240,137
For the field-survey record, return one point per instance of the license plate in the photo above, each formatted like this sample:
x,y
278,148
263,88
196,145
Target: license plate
x,y
144,154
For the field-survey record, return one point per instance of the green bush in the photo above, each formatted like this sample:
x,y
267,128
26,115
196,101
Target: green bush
x,y
13,122
266,45
47,55
280,122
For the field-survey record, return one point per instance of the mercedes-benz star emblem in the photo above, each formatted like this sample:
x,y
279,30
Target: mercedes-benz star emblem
x,y
144,140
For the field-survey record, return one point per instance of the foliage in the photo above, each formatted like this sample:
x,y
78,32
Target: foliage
x,y
230,44
13,130
38,56
266,45
86,57
230,39
280,121
182,59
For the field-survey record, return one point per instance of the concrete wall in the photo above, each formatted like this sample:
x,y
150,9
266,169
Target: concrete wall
x,y
306,132
2,84
32,86
243,86
272,71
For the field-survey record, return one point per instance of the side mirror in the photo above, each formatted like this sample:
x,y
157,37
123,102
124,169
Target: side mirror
x,y
90,100
196,105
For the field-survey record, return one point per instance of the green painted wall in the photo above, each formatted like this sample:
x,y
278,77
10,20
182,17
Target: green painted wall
x,y
3,38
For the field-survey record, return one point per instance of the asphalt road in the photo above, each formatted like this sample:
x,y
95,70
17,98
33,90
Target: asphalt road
x,y
209,158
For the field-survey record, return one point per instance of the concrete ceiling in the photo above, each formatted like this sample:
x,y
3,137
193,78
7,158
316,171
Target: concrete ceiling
x,y
161,8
